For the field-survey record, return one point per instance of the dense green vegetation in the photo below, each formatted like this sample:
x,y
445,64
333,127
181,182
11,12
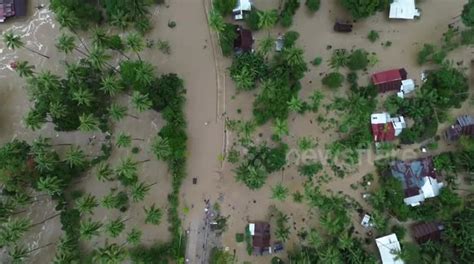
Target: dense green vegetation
x,y
361,8
467,14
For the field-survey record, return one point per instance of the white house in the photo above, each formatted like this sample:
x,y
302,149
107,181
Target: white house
x,y
388,248
243,6
403,9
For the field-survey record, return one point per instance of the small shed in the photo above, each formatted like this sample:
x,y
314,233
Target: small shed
x,y
244,40
243,7
342,26
423,232
260,232
464,126
389,80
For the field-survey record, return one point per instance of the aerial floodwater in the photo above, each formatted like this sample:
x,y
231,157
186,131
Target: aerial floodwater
x,y
236,131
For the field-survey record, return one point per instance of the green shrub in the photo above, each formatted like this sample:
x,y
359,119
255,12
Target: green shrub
x,y
317,61
224,7
239,237
467,37
333,80
252,19
373,36
425,53
400,231
286,19
358,60
313,5
226,39
290,38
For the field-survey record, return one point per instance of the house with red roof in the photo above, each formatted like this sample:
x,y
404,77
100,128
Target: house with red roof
x,y
386,128
389,80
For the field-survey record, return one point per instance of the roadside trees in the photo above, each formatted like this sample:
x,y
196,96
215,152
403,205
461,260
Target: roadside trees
x,y
361,8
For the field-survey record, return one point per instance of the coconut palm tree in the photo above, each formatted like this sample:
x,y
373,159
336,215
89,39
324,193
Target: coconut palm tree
x,y
98,58
75,157
109,254
83,96
134,237
100,38
282,233
111,85
51,185
267,19
144,73
67,44
280,127
279,192
12,230
293,56
216,21
123,140
109,201
89,229
86,204
295,104
88,122
104,172
46,161
161,148
117,112
139,191
34,119
243,79
115,227
119,19
13,42
127,168
141,102
57,110
135,43
24,69
153,215
266,45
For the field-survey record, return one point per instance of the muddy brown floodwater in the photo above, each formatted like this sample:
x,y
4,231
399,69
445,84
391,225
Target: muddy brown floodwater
x,y
211,96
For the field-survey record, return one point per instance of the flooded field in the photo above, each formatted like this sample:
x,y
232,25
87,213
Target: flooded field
x,y
211,98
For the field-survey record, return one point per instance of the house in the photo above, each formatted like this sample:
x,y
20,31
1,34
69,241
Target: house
x,y
424,232
403,9
464,126
389,80
419,179
244,40
407,87
386,128
260,232
11,8
389,247
243,7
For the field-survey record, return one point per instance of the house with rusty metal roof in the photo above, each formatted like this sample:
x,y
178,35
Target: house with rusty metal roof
x,y
419,179
464,126
12,8
424,232
260,232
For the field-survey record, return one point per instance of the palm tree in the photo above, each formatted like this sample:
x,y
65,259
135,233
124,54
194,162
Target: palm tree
x,y
161,148
83,96
110,254
100,38
75,157
46,161
13,230
141,101
134,237
280,128
52,185
98,58
111,85
119,19
88,122
139,191
279,192
127,168
216,21
153,215
123,140
57,110
89,229
144,73
266,45
295,104
135,43
24,69
293,56
104,172
13,42
267,19
109,201
19,253
34,119
115,227
117,112
67,44
243,79
86,204
339,59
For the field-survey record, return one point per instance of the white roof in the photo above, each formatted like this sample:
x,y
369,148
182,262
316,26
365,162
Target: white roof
x,y
431,187
366,221
243,5
379,118
252,229
407,86
403,9
388,248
